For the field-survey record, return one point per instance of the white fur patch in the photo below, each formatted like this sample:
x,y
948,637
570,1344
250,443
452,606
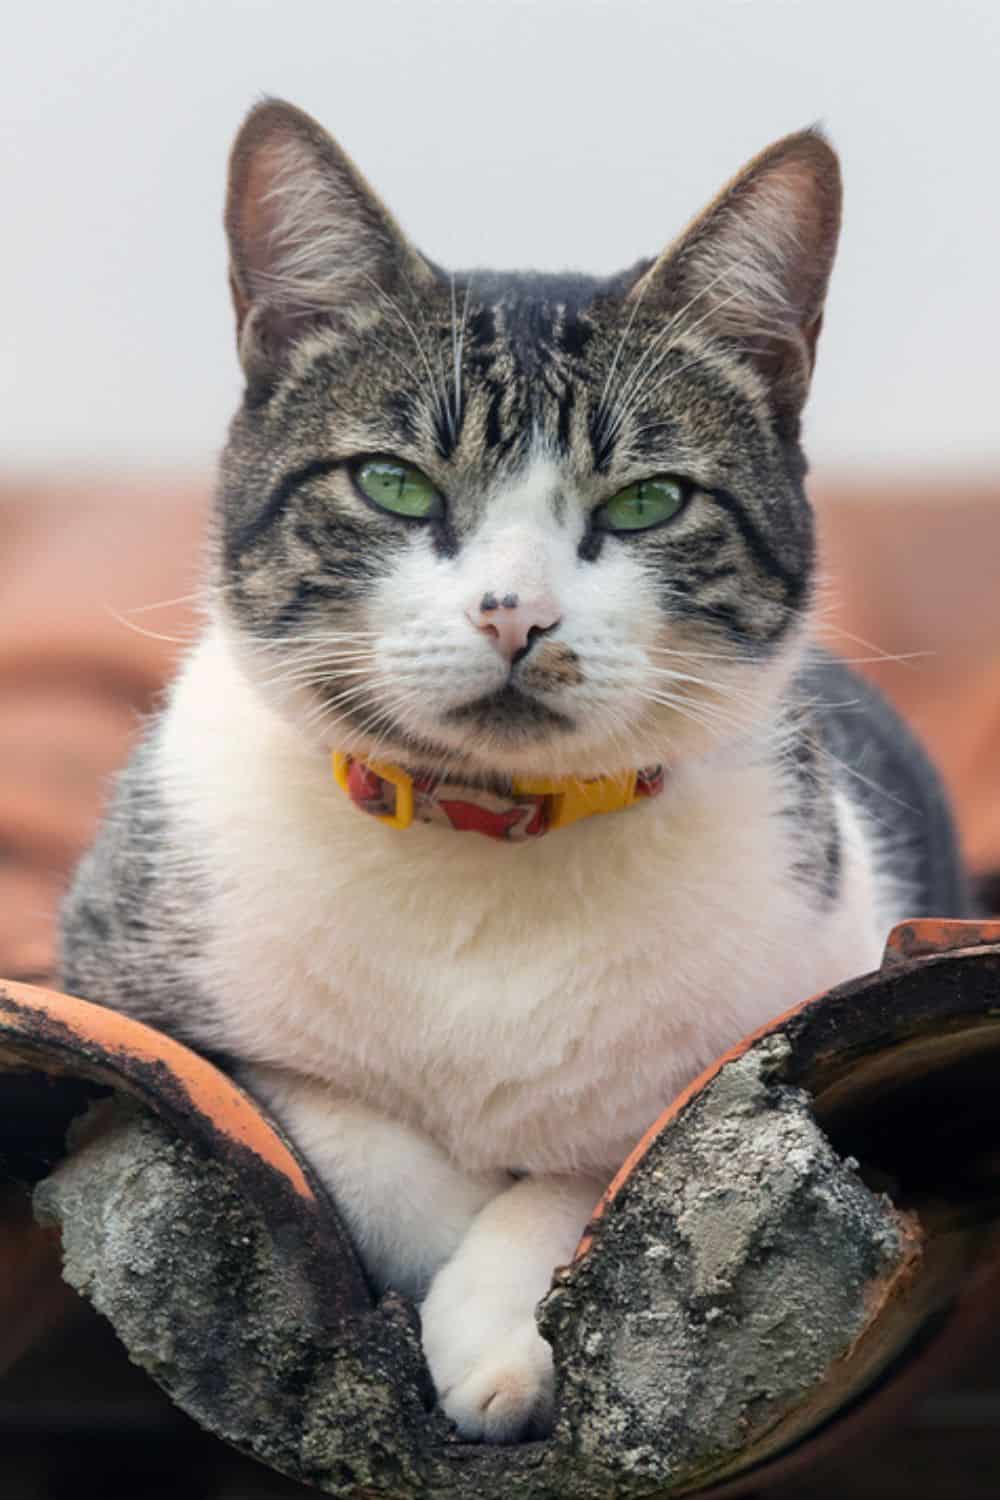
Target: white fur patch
x,y
526,1007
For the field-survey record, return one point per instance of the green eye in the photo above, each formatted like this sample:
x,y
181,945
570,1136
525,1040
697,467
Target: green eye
x,y
648,502
398,487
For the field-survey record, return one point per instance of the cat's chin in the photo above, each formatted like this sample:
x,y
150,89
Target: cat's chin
x,y
482,746
485,742
510,713
509,733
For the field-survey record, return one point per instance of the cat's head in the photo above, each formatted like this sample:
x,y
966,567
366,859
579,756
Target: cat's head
x,y
536,524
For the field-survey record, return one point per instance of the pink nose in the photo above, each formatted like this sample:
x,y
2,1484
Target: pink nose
x,y
511,624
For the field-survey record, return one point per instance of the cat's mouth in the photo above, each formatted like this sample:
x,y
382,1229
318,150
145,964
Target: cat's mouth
x,y
507,719
510,710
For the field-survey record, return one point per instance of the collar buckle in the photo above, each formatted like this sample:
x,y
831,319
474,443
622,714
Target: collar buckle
x,y
402,815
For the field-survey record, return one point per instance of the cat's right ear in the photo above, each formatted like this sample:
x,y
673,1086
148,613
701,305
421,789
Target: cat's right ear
x,y
753,268
309,241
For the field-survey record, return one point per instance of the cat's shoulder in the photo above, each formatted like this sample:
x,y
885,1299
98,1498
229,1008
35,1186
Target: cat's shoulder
x,y
880,765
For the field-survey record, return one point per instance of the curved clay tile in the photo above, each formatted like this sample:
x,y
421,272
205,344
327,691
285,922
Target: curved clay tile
x,y
802,1241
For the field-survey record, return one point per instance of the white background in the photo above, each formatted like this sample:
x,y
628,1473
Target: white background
x,y
557,133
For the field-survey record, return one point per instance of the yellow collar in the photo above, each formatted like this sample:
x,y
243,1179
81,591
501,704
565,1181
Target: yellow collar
x,y
531,807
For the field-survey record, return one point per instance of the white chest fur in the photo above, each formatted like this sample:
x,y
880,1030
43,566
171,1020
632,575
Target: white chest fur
x,y
530,1006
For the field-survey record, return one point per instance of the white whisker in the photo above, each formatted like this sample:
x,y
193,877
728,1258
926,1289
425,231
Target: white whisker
x,y
142,609
459,349
151,635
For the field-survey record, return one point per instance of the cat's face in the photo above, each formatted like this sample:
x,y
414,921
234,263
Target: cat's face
x,y
534,524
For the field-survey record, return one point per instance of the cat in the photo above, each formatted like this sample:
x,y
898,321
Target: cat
x,y
507,784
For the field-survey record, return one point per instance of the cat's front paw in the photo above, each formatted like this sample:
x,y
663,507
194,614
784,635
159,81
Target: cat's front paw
x,y
494,1382
505,1394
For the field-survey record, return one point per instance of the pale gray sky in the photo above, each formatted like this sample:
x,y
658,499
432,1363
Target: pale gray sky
x,y
549,132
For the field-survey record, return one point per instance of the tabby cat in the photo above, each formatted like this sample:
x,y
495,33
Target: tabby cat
x,y
506,785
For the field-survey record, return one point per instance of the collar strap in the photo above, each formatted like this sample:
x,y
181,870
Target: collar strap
x,y
531,808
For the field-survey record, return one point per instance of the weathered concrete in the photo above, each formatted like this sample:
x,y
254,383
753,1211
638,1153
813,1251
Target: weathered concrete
x,y
738,1265
742,1261
156,1237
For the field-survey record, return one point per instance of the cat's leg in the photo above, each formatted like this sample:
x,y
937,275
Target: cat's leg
x,y
491,1367
405,1204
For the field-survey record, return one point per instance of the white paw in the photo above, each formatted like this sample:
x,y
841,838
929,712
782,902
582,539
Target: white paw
x,y
504,1392
491,1367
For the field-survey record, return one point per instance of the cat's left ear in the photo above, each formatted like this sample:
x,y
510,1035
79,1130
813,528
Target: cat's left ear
x,y
753,268
309,240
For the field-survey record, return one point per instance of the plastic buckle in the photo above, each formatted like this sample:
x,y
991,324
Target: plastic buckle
x,y
401,780
569,801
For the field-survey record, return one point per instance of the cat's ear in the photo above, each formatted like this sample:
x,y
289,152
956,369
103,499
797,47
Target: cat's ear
x,y
308,239
753,268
